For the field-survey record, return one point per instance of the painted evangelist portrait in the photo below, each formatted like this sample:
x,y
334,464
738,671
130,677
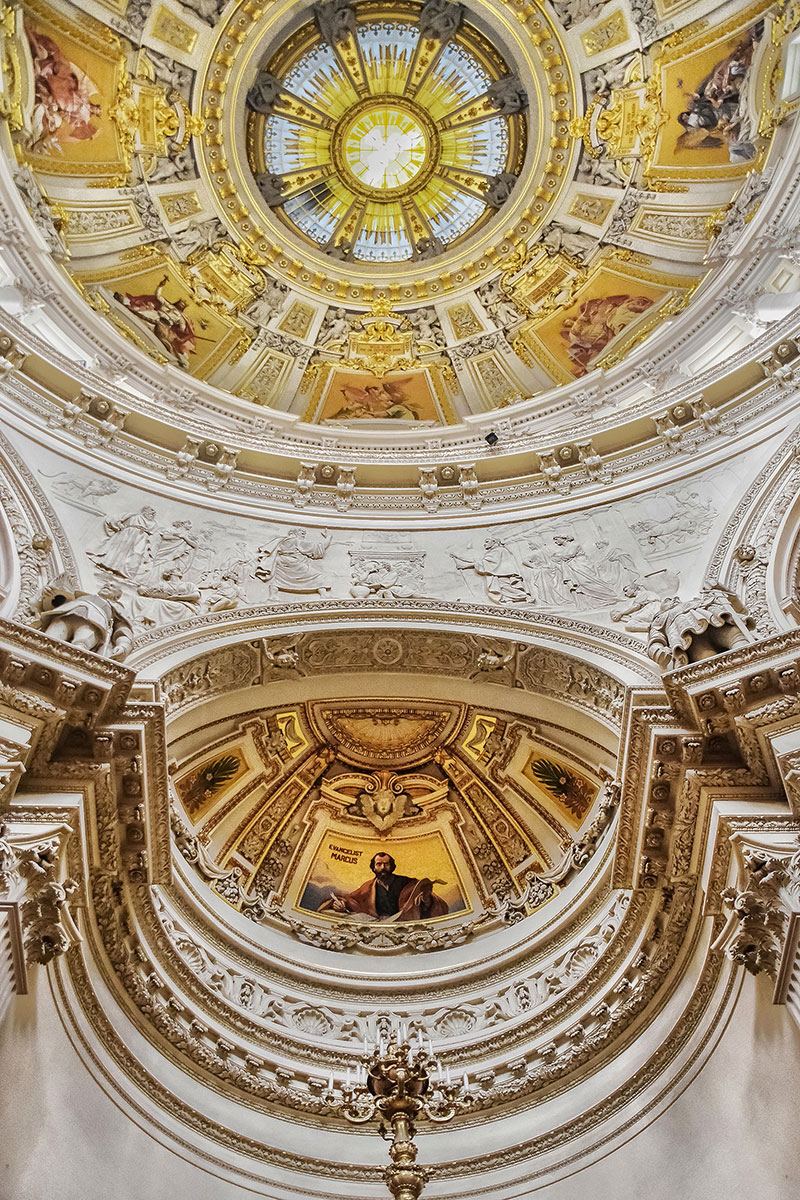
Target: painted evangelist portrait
x,y
360,397
596,323
364,879
72,81
168,320
604,308
157,310
66,105
712,114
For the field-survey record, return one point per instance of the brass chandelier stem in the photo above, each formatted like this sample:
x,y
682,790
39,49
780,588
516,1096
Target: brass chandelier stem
x,y
399,1083
404,1178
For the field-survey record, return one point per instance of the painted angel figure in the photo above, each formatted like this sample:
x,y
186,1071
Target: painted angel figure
x,y
385,400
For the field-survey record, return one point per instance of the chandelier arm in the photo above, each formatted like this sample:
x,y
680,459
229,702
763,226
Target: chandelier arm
x,y
440,1118
359,1108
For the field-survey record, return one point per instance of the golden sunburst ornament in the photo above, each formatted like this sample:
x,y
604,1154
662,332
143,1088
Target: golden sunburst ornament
x,y
386,138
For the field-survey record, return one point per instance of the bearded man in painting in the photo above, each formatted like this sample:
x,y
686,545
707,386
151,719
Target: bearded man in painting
x,y
388,896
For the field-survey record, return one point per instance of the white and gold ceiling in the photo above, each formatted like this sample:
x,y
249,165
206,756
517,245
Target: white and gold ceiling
x,y
291,805
567,957
372,215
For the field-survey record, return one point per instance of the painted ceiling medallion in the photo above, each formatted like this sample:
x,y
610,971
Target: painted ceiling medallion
x,y
371,734
386,139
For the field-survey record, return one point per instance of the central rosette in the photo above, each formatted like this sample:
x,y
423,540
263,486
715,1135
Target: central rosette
x,y
385,147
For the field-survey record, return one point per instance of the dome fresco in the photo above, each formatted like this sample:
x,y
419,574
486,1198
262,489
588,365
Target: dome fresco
x,y
396,216
401,777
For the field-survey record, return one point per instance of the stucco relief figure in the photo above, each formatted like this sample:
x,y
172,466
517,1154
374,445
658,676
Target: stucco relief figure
x,y
638,607
692,518
64,109
268,304
140,550
580,574
89,620
615,567
200,236
166,319
263,92
208,10
508,95
683,632
335,327
571,12
171,548
172,571
499,188
178,166
336,21
543,576
287,563
440,20
557,238
500,571
603,171
426,326
128,549
601,81
389,896
170,598
554,572
221,590
381,579
498,305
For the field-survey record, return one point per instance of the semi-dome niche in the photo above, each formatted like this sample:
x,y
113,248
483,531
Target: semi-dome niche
x,y
377,813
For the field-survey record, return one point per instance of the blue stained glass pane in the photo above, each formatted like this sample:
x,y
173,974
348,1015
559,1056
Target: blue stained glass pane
x,y
283,145
310,76
380,245
388,49
463,73
457,214
310,213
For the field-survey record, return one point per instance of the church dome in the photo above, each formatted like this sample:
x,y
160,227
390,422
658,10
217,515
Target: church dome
x,y
555,191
